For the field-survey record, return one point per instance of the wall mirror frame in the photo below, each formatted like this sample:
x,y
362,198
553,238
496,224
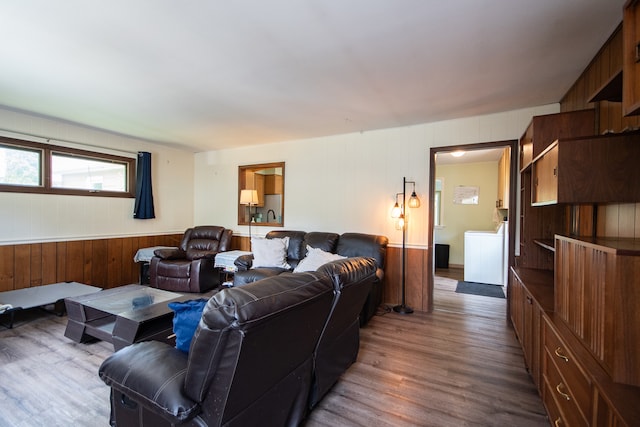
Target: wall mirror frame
x,y
268,180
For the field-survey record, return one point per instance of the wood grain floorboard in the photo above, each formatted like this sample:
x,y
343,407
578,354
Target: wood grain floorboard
x,y
458,366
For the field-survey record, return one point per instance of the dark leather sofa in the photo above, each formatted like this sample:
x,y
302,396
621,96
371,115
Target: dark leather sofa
x,y
347,244
190,267
263,354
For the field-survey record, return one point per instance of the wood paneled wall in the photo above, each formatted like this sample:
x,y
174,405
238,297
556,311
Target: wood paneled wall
x,y
416,276
615,220
604,66
106,263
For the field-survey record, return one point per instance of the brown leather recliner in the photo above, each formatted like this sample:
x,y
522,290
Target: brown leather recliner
x,y
190,267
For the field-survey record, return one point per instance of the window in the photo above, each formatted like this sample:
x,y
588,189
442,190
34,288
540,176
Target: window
x,y
437,200
20,166
30,167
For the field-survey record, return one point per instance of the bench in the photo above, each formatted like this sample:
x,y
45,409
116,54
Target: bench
x,y
40,296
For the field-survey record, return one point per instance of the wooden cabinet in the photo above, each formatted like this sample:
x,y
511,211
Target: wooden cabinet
x,y
539,222
527,305
255,181
530,315
543,130
597,169
504,171
273,184
575,388
516,306
597,294
631,58
588,317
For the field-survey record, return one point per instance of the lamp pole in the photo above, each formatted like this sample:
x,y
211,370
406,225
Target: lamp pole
x,y
403,308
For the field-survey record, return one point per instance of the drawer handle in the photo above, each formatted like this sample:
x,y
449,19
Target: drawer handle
x,y
560,355
558,422
565,395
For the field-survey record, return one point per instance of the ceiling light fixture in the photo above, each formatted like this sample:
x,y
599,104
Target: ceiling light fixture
x,y
458,153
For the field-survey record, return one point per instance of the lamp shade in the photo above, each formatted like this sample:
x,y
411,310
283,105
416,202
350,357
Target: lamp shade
x,y
414,202
396,211
248,197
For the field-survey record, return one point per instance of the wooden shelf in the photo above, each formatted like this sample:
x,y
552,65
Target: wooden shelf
x,y
546,244
611,90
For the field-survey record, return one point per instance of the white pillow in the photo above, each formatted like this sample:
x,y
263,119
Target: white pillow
x,y
269,252
315,258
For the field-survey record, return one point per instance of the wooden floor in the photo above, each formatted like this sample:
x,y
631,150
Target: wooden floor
x,y
458,366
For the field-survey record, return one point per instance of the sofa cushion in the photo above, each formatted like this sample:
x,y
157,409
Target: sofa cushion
x,y
152,373
321,240
315,258
270,252
365,245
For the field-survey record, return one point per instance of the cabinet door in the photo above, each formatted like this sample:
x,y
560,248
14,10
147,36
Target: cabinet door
x,y
503,179
255,181
516,304
259,183
545,178
273,184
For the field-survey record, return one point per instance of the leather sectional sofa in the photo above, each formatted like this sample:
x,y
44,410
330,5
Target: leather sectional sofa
x,y
263,354
347,245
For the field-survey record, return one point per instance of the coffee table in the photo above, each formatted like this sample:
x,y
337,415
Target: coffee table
x,y
123,315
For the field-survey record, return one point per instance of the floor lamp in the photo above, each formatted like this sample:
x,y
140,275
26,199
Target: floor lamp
x,y
249,197
398,212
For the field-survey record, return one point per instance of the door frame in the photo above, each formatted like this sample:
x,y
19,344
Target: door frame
x,y
513,203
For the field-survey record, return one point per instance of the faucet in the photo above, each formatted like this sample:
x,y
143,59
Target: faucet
x,y
273,212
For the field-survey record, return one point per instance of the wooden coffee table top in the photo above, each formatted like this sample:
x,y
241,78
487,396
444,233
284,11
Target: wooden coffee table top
x,y
124,315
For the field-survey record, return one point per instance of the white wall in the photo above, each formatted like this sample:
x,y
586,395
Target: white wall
x,y
348,182
26,218
337,183
458,218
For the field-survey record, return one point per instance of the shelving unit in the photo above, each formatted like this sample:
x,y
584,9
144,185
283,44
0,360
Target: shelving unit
x,y
631,58
573,301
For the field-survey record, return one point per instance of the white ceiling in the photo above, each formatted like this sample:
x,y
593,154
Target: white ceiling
x,y
214,74
470,156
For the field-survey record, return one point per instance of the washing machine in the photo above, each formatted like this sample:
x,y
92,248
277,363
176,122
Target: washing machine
x,y
486,255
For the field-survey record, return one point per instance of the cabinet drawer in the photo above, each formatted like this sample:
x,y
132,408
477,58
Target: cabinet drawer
x,y
559,399
552,409
559,359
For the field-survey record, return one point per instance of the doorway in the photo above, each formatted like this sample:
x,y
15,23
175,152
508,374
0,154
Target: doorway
x,y
447,228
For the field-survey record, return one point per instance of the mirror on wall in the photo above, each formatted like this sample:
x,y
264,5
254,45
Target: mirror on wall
x,y
266,206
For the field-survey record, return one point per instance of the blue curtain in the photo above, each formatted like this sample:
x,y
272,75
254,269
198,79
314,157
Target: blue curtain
x,y
144,193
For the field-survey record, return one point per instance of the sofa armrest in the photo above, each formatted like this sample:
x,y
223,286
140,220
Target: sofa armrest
x,y
152,374
244,262
194,254
175,253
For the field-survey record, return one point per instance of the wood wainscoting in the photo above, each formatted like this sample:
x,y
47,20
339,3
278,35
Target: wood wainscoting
x,y
106,263
418,281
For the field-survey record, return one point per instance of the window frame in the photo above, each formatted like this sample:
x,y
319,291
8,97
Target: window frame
x,y
48,150
437,203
